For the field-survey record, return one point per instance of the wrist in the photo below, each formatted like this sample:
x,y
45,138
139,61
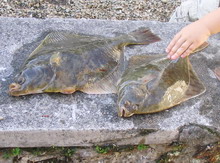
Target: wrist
x,y
206,29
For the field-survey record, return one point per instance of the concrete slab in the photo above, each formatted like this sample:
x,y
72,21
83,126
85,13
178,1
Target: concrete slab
x,y
84,120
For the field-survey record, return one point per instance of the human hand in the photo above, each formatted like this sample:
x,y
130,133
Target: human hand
x,y
187,40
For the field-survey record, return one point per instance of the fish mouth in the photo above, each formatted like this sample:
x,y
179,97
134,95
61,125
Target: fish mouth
x,y
124,112
14,89
127,109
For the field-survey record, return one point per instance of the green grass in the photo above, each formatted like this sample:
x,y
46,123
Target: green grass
x,y
142,147
102,150
9,153
61,151
68,152
113,148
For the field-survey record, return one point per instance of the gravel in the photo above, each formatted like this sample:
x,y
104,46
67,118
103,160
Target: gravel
x,y
92,9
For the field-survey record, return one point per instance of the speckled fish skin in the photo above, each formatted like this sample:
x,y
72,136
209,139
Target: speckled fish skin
x,y
66,62
154,83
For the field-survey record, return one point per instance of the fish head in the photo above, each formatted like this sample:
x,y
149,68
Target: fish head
x,y
31,80
130,99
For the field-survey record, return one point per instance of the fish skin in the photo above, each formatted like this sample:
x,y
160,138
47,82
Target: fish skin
x,y
154,83
163,83
66,63
71,62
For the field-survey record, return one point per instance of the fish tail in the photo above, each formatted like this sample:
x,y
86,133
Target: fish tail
x,y
143,36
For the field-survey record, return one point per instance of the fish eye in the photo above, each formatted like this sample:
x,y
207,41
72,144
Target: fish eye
x,y
20,80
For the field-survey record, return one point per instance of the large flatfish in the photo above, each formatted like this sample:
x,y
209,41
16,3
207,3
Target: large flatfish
x,y
65,62
153,83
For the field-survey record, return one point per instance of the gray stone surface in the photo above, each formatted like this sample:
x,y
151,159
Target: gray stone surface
x,y
85,120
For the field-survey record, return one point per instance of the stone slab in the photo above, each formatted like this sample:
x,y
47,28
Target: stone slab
x,y
85,120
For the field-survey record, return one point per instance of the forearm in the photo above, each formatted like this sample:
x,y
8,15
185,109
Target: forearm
x,y
212,21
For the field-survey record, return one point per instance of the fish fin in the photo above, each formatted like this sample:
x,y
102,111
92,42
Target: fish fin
x,y
68,90
201,47
54,37
195,87
177,83
146,58
102,87
51,40
217,72
63,40
106,85
63,37
142,59
143,36
169,88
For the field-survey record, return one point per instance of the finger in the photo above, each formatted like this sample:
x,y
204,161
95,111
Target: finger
x,y
175,56
188,51
178,44
172,43
183,48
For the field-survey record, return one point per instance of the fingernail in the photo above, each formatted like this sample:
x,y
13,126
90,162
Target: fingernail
x,y
171,53
167,50
173,57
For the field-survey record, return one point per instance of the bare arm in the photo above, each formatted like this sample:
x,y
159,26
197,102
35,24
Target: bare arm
x,y
193,35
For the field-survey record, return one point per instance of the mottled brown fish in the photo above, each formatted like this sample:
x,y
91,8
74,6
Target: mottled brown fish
x,y
66,62
153,83
156,85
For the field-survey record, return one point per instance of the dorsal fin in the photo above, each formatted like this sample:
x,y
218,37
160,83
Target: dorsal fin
x,y
55,37
201,47
62,40
51,39
143,59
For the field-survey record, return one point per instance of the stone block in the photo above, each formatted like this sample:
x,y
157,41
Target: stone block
x,y
84,120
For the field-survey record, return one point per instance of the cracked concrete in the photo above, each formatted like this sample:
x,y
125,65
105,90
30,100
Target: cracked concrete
x,y
85,120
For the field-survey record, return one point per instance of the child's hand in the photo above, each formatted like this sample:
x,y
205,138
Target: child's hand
x,y
187,40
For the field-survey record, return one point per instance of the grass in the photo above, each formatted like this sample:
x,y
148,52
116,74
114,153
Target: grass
x,y
102,150
176,149
14,152
61,151
142,147
67,152
113,148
